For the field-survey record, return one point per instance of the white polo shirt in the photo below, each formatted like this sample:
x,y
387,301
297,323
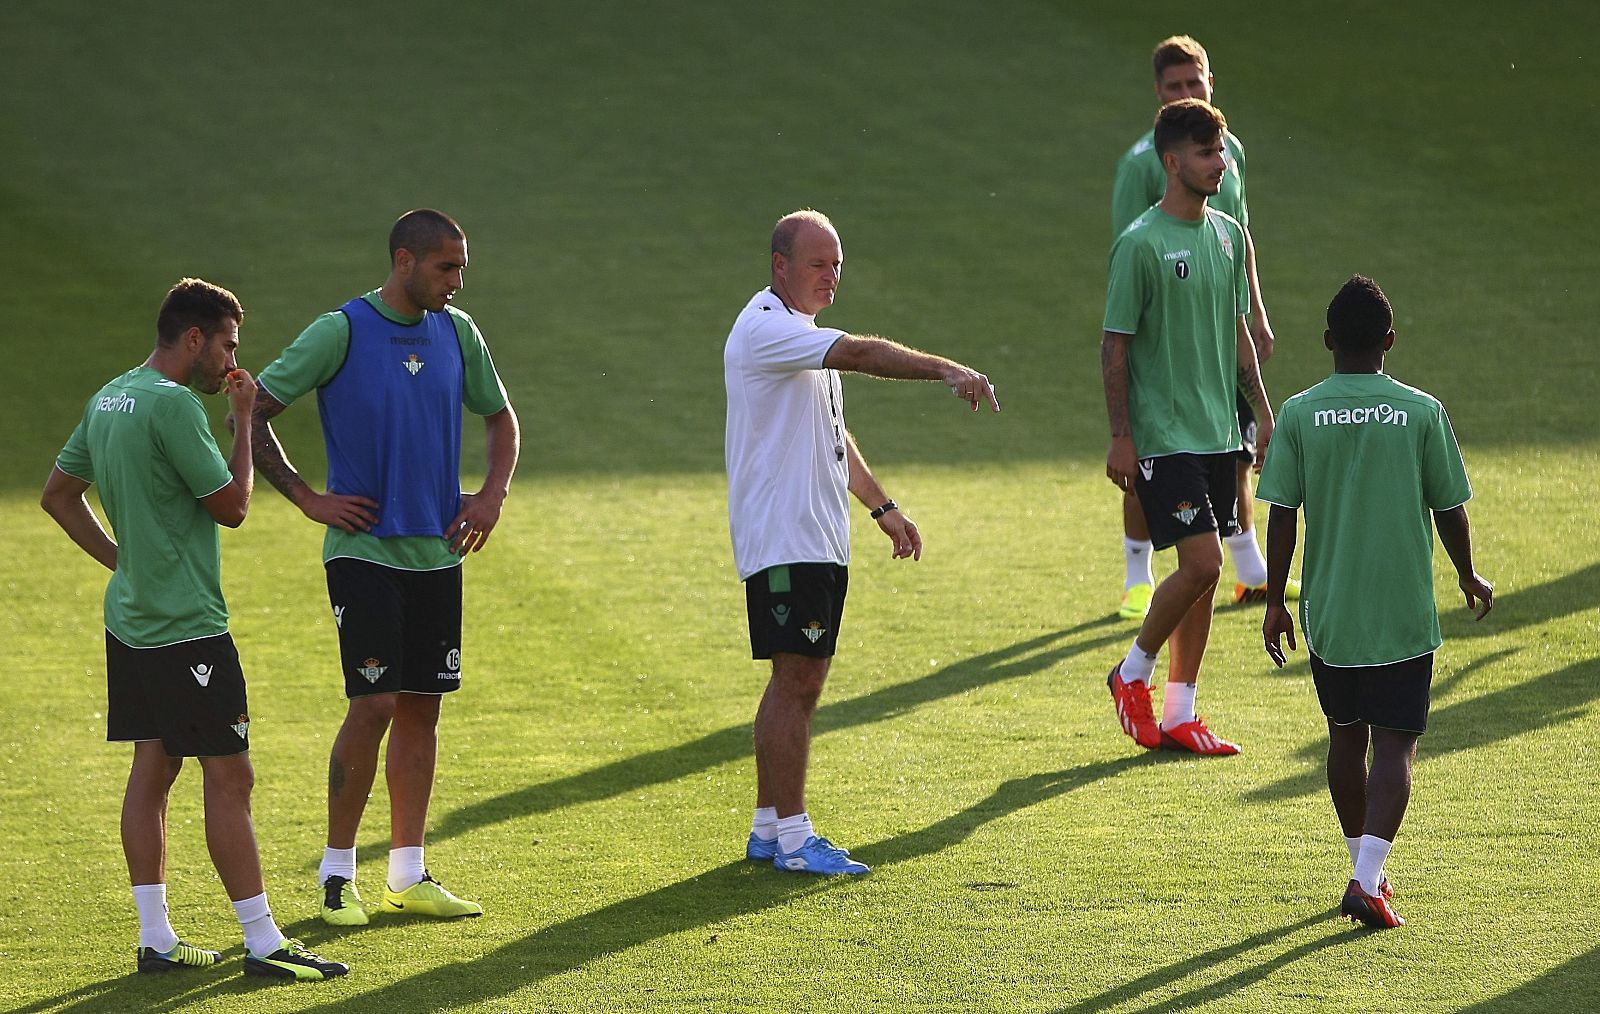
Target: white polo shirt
x,y
788,481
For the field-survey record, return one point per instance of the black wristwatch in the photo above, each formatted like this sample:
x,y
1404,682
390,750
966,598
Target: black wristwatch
x,y
888,506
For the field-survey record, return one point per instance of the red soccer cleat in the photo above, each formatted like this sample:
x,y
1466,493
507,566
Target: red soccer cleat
x,y
1196,738
1359,906
1133,708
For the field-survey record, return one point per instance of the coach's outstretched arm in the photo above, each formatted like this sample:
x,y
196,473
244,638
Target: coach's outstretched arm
x,y
880,357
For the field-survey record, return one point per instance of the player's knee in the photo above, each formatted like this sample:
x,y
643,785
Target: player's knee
x,y
231,777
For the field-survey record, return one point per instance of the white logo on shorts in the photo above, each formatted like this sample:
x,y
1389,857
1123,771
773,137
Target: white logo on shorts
x,y
814,631
201,673
1147,468
338,616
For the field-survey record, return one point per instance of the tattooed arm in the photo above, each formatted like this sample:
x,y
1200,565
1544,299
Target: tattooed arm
x,y
351,513
1250,385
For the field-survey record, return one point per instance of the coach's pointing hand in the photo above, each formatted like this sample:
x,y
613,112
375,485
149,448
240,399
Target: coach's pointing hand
x,y
972,387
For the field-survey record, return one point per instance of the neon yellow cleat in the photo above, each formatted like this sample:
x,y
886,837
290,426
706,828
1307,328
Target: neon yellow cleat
x,y
1136,602
341,905
292,961
181,955
428,897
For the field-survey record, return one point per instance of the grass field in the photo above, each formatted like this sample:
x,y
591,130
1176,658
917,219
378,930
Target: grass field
x,y
617,167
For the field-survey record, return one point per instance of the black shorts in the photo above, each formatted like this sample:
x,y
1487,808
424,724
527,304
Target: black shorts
x,y
1390,696
796,608
1247,429
399,630
189,695
1188,494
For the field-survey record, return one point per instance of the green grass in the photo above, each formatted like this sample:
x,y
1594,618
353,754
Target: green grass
x,y
617,167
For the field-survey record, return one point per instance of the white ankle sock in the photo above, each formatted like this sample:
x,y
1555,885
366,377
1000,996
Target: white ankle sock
x,y
794,831
155,928
1136,554
337,863
1137,665
405,867
1247,560
261,935
1177,704
1369,862
765,823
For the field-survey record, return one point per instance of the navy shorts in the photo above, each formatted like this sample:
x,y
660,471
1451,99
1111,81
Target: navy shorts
x,y
1390,696
1188,494
399,630
189,695
795,608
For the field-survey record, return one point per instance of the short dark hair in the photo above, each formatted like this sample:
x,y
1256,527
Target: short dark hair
x,y
1179,49
788,227
1188,120
422,232
1360,315
193,302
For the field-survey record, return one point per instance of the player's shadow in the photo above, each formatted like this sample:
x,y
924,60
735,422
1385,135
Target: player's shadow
x,y
730,891
1573,985
1557,697
1560,597
1201,963
733,743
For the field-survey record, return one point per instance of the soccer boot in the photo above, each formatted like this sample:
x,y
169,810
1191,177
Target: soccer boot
x,y
760,849
1136,602
428,897
820,856
181,955
1196,738
1133,708
341,905
292,961
1359,906
1244,594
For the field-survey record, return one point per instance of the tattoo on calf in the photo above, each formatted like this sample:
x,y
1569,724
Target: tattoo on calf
x,y
335,776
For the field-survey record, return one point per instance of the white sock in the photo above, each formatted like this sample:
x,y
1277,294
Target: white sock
x,y
405,867
1177,704
1247,560
261,935
337,863
1136,554
1354,845
1369,862
1138,665
765,824
794,831
155,929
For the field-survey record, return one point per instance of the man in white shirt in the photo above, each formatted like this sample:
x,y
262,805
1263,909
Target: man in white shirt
x,y
791,462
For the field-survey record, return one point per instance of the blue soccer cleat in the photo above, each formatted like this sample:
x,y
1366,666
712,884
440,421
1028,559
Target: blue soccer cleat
x,y
762,850
820,856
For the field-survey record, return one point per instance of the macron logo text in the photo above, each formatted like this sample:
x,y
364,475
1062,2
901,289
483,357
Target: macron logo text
x,y
121,403
1370,413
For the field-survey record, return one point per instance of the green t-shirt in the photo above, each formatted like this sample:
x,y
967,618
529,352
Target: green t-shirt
x,y
313,359
146,442
1141,180
1368,457
1179,289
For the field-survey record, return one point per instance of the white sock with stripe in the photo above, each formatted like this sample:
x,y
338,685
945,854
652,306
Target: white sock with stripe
x,y
155,928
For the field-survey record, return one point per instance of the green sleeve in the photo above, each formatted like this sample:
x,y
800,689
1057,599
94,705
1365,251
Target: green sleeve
x,y
311,361
1281,479
185,437
1241,276
1129,286
74,458
1444,474
1131,190
482,392
1244,204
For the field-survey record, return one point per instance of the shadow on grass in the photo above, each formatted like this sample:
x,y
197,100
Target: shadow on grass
x,y
1571,986
733,743
1566,595
1200,963
1563,695
729,891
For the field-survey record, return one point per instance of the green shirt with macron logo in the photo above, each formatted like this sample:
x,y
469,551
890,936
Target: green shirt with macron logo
x,y
1369,458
